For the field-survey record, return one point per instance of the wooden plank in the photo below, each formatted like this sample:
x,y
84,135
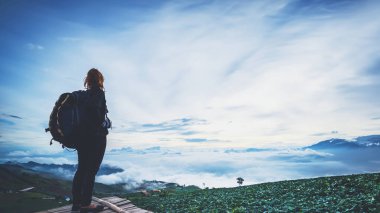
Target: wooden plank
x,y
127,206
61,211
131,208
109,204
112,199
108,211
135,211
123,202
144,211
139,211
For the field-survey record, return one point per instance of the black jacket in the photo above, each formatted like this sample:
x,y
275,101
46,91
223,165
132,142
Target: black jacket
x,y
96,109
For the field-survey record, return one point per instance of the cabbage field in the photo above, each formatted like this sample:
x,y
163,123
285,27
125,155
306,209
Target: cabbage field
x,y
352,193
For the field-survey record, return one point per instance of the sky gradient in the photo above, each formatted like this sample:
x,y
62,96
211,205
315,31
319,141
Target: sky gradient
x,y
195,73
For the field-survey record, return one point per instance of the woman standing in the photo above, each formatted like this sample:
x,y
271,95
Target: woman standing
x,y
92,145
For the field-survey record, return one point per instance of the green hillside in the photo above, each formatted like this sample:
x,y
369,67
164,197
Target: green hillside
x,y
353,193
48,191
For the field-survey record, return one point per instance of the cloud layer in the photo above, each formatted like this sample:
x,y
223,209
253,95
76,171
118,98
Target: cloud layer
x,y
215,75
220,167
261,73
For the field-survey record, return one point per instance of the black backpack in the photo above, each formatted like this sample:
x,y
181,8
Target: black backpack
x,y
67,118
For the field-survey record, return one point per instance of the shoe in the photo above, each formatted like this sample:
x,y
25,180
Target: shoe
x,y
75,208
91,208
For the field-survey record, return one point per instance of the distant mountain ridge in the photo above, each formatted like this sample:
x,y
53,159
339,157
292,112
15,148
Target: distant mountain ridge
x,y
370,141
63,171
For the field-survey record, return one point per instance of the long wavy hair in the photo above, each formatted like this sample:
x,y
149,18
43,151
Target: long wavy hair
x,y
93,79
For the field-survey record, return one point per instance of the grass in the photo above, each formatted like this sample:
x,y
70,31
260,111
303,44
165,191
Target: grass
x,y
28,202
353,193
49,191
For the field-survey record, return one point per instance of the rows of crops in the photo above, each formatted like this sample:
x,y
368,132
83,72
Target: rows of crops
x,y
353,193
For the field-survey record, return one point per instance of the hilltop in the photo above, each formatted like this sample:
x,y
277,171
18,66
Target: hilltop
x,y
49,185
353,193
29,187
369,141
337,193
27,190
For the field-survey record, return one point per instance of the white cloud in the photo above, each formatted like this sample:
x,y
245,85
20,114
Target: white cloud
x,y
216,168
32,46
46,160
46,151
259,75
120,177
304,153
19,153
69,39
178,65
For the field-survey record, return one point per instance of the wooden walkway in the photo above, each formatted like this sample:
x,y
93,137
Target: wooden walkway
x,y
111,205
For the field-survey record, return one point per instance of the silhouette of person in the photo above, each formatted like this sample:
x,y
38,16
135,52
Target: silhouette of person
x,y
92,144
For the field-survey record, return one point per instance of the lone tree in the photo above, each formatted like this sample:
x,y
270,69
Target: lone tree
x,y
240,180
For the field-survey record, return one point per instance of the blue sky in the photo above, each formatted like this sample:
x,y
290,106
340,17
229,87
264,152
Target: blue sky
x,y
195,73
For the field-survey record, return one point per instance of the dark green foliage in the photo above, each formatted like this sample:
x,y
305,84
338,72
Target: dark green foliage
x,y
14,177
28,202
354,193
48,192
240,180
